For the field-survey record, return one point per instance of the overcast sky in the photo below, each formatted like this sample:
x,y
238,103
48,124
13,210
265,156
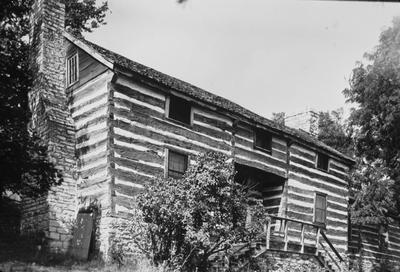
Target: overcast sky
x,y
269,56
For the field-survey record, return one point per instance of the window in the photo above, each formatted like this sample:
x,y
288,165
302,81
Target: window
x,y
263,140
322,162
320,209
72,69
177,164
179,109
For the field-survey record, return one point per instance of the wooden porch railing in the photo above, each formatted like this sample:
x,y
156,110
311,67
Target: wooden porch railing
x,y
279,226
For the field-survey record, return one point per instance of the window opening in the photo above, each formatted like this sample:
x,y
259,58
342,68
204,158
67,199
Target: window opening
x,y
263,140
72,69
320,209
179,109
322,162
177,164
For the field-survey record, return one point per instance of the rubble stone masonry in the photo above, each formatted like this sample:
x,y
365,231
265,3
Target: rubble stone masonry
x,y
54,213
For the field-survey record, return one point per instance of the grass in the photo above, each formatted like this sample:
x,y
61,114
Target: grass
x,y
142,266
19,253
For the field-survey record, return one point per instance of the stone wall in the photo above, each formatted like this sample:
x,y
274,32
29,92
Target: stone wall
x,y
284,262
54,213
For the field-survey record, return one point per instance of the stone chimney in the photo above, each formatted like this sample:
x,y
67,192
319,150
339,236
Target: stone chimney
x,y
306,121
51,119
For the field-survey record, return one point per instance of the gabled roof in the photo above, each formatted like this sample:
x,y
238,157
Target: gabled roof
x,y
111,58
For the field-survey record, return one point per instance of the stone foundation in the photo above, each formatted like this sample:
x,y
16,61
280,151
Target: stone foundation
x,y
285,262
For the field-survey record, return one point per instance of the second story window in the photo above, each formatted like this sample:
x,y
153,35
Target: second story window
x,y
322,162
72,69
262,140
320,209
177,164
179,109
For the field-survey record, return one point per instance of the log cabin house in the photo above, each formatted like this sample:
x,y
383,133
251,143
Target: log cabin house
x,y
113,124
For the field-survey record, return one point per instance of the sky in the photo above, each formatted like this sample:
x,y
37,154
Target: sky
x,y
266,55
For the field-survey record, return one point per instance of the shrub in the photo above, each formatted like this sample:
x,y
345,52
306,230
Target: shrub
x,y
187,223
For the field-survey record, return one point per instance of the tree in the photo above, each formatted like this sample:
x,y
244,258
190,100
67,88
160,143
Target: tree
x,y
335,131
24,165
370,183
375,89
189,221
373,195
84,15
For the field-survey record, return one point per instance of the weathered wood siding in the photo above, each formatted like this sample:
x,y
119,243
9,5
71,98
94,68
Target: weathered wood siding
x,y
274,162
377,246
142,134
89,68
89,106
305,180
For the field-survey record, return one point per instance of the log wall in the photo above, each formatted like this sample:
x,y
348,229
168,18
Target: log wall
x,y
142,134
305,180
376,247
90,111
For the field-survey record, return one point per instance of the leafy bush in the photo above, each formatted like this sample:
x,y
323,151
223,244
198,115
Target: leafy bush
x,y
186,224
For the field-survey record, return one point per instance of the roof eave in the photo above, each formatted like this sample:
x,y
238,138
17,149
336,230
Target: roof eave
x,y
89,50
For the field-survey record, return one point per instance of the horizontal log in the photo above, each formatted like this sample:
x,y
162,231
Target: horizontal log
x,y
312,172
262,166
91,160
338,168
147,156
245,132
221,125
92,171
134,108
89,135
167,134
316,182
87,149
298,151
140,167
139,142
262,157
92,101
139,177
226,136
139,87
133,93
126,190
90,90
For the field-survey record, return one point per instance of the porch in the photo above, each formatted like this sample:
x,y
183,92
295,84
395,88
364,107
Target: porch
x,y
281,233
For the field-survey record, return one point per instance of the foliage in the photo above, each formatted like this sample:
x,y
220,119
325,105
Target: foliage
x,y
84,15
188,221
374,198
370,183
335,131
375,89
24,165
278,118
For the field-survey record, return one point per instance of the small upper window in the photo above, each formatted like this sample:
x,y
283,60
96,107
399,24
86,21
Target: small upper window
x,y
322,162
179,109
320,209
263,140
72,69
177,164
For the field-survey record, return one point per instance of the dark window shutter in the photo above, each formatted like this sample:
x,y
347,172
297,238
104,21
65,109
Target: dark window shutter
x,y
263,140
322,162
179,109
